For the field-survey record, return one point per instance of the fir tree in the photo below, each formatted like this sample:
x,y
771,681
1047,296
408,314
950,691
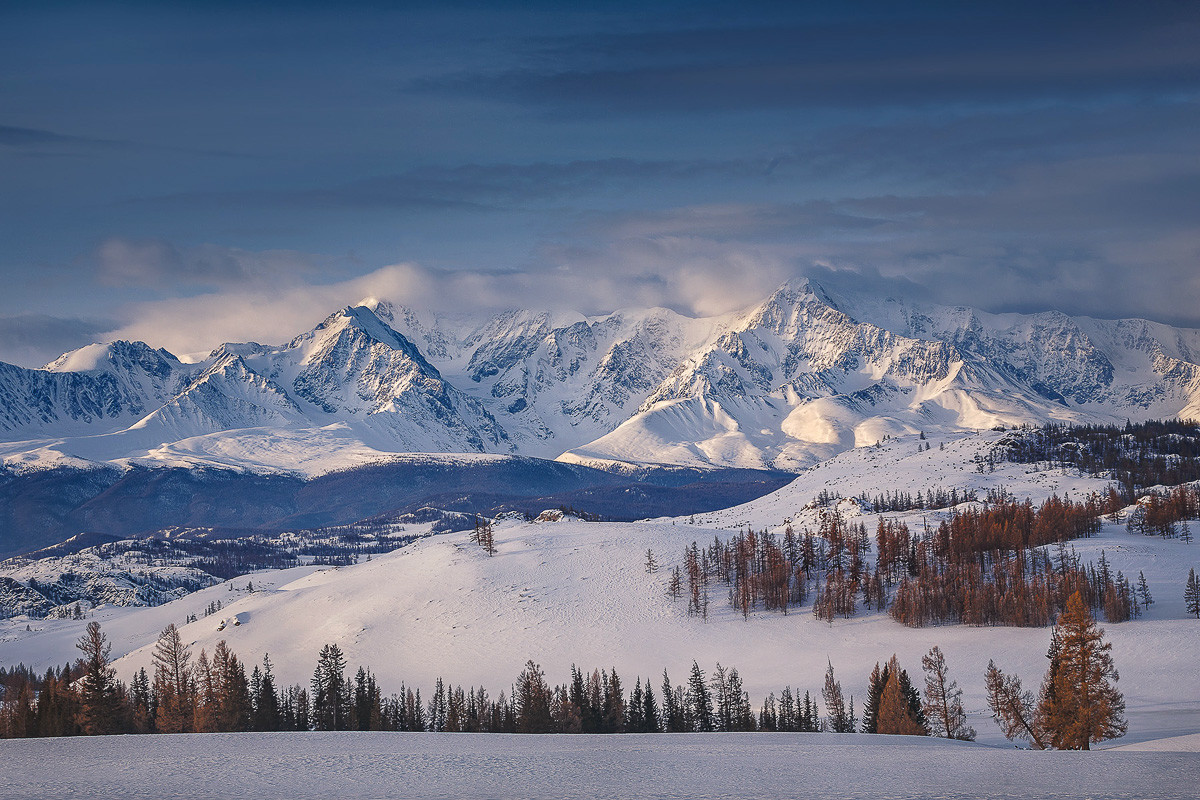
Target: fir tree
x,y
100,694
267,715
809,716
173,687
1144,590
329,696
1191,593
141,703
650,713
896,713
635,721
875,684
532,697
673,712
699,701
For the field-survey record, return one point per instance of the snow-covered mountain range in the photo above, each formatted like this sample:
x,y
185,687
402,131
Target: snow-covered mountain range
x,y
797,378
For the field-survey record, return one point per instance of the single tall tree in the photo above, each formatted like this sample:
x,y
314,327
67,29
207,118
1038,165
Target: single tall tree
x,y
173,687
1191,593
267,715
840,721
699,701
943,706
100,698
1085,706
1013,708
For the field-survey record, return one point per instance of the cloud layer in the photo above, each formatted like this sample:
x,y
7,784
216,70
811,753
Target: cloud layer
x,y
1022,156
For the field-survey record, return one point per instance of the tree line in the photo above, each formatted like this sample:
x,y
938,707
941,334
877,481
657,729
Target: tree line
x,y
1155,453
889,502
1078,705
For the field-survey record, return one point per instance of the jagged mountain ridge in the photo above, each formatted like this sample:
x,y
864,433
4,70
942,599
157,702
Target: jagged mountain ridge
x,y
797,378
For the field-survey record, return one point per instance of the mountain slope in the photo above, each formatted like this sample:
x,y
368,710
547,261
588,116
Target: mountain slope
x,y
797,378
804,376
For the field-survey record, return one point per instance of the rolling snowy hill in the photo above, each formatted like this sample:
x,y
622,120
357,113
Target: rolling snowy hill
x,y
578,592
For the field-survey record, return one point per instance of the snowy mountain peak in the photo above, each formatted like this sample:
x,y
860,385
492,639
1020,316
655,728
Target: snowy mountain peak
x,y
800,376
119,355
385,310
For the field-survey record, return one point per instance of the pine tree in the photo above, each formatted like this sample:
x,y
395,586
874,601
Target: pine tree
x,y
635,722
722,707
674,718
1085,706
650,714
1191,594
835,704
768,717
742,714
699,701
943,700
267,715
205,711
614,704
173,687
811,721
233,703
1144,590
675,584
141,703
329,696
100,694
532,697
875,684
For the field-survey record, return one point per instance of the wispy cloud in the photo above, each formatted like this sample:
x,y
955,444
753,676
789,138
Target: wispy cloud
x,y
35,141
915,57
490,186
124,262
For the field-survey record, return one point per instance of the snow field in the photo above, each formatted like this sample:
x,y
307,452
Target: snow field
x,y
575,592
694,766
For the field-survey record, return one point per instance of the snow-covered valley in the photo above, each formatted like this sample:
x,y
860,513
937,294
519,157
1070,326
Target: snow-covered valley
x,y
574,592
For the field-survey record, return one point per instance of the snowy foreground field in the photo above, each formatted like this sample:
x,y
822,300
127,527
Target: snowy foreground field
x,y
378,765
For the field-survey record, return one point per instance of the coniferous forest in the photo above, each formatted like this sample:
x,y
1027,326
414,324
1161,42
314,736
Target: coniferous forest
x,y
1135,456
205,693
988,563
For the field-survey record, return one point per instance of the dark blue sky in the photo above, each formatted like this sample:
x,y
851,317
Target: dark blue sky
x,y
190,174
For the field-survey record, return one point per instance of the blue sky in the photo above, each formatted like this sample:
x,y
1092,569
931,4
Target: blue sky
x,y
189,174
